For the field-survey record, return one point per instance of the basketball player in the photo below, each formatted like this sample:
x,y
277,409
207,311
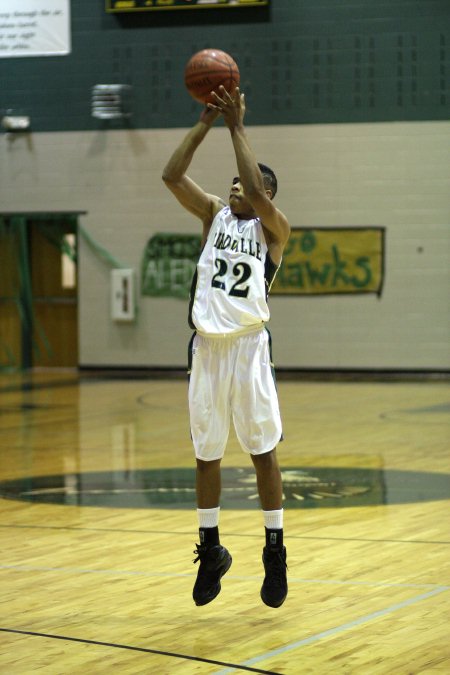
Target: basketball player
x,y
231,375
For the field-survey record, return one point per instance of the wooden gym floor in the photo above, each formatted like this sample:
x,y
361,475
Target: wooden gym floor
x,y
98,526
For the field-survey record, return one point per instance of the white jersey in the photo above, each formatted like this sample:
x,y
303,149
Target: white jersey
x,y
234,273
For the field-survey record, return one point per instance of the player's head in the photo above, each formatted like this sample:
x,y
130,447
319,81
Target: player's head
x,y
269,178
239,204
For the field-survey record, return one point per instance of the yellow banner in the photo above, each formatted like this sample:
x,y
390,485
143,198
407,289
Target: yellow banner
x,y
326,261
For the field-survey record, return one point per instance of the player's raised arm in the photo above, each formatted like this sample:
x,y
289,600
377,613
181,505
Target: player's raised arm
x,y
259,194
189,194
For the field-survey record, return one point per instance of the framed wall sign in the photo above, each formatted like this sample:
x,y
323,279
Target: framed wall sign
x,y
34,28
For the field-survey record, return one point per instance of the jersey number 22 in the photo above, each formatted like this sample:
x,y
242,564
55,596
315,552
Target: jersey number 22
x,y
240,270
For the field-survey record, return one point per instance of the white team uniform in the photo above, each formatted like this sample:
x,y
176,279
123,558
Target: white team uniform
x,y
231,375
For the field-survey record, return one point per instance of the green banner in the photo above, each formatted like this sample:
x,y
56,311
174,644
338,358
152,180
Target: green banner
x,y
168,264
332,260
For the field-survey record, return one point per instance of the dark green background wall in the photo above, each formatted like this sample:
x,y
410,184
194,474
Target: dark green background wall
x,y
301,61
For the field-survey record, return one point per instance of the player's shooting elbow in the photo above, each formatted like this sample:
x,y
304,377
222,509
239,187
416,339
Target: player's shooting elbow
x,y
168,176
172,181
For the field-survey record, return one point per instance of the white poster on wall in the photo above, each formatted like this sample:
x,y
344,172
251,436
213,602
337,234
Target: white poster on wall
x,y
34,28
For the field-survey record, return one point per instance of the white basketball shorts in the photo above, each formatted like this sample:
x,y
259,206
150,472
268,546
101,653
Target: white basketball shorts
x,y
232,378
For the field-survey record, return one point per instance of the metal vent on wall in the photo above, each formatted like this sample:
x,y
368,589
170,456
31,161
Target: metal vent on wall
x,y
111,101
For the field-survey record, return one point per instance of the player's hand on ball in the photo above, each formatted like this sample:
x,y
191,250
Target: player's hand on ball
x,y
209,115
232,106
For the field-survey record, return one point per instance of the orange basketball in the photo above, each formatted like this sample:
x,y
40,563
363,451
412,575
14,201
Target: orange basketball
x,y
207,70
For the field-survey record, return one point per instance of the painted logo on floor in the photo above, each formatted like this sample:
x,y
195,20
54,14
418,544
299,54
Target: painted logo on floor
x,y
305,487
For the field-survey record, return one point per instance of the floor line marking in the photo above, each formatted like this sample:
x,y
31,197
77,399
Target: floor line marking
x,y
145,650
337,629
289,537
175,575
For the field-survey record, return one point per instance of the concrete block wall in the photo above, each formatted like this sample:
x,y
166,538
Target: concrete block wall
x,y
390,174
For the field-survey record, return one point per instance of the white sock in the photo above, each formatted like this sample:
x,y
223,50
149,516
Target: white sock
x,y
273,520
208,517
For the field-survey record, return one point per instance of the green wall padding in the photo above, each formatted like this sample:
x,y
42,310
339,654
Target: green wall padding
x,y
301,61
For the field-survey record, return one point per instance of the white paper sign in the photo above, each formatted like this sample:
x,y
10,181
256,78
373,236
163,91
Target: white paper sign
x,y
34,27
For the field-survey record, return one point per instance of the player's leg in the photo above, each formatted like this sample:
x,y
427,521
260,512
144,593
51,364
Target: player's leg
x,y
254,398
268,479
209,408
208,484
209,418
258,427
214,559
268,475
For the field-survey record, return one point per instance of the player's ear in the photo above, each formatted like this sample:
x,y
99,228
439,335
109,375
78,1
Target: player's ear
x,y
269,193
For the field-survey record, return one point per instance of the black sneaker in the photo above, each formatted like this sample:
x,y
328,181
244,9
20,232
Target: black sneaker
x,y
274,589
214,562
